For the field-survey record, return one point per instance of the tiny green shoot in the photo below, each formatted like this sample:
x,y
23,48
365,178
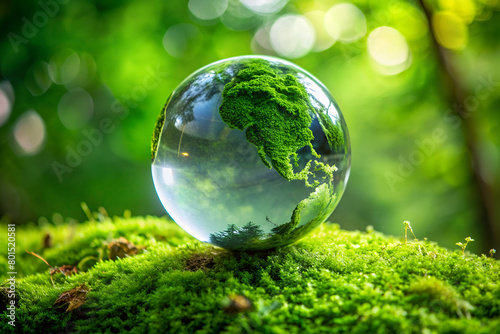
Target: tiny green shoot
x,y
463,246
407,225
87,211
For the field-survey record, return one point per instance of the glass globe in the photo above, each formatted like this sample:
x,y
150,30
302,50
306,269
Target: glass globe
x,y
250,153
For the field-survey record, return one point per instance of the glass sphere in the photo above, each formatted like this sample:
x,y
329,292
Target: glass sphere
x,y
250,153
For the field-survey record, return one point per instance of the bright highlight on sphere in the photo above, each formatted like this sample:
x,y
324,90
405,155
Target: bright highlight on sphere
x,y
250,153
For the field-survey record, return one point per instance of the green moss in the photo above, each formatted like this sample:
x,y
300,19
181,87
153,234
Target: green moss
x,y
432,292
334,281
268,103
157,131
273,110
333,132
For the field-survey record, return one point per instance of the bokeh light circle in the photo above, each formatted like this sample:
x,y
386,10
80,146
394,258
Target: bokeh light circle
x,y
239,17
292,36
64,67
388,47
37,79
323,39
207,9
261,42
178,38
465,9
345,22
6,101
29,133
450,29
75,108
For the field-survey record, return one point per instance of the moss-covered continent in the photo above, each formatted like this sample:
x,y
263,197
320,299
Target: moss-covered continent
x,y
273,109
334,281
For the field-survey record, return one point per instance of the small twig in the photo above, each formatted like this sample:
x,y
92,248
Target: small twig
x,y
47,263
41,258
66,270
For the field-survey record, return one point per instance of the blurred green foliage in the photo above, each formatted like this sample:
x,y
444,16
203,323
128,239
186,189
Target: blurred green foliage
x,y
83,83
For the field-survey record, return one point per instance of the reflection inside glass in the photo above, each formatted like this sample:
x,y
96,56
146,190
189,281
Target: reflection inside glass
x,y
213,182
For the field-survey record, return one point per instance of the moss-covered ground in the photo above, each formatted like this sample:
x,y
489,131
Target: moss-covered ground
x,y
333,281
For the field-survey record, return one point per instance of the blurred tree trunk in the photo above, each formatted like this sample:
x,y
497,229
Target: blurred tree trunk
x,y
456,94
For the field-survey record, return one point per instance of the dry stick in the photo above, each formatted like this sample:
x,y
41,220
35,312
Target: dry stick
x,y
47,263
53,270
456,94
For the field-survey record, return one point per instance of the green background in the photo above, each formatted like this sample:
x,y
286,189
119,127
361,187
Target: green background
x,y
91,77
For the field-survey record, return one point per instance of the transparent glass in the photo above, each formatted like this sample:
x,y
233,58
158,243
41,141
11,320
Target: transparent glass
x,y
214,184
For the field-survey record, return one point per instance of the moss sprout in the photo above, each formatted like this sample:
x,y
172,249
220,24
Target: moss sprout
x,y
463,246
408,227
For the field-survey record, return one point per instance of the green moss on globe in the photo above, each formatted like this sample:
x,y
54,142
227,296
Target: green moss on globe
x,y
333,132
157,130
273,110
